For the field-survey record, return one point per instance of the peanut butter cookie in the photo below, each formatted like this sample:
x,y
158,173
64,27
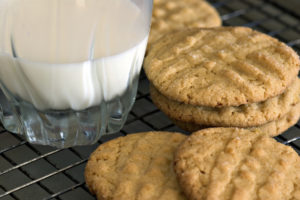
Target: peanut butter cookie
x,y
272,128
170,15
221,66
135,167
246,115
237,164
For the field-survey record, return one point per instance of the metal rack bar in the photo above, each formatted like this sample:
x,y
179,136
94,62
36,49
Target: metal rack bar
x,y
29,161
291,140
65,190
42,178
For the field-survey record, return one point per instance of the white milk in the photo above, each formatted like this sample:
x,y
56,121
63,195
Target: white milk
x,y
70,56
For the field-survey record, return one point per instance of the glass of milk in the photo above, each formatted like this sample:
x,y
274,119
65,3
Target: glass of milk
x,y
69,68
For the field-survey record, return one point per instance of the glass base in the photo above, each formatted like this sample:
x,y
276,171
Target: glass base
x,y
9,123
62,128
66,128
7,116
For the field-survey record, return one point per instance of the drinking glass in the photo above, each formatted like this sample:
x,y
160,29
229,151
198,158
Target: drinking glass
x,y
69,68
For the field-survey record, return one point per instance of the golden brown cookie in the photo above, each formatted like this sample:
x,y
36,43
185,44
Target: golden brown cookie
x,y
222,66
170,15
277,127
237,164
246,115
272,128
135,167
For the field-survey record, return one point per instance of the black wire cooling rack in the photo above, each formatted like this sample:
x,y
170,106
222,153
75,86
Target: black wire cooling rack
x,y
37,172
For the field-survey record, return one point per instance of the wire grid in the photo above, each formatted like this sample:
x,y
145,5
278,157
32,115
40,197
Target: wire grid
x,y
40,172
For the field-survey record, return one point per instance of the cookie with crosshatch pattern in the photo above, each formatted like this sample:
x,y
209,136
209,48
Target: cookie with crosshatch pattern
x,y
221,66
135,167
247,115
170,15
237,164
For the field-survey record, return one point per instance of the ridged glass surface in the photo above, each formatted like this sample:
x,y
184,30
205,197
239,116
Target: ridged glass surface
x,y
68,127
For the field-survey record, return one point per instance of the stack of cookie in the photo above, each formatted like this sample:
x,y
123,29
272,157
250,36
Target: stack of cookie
x,y
216,163
225,77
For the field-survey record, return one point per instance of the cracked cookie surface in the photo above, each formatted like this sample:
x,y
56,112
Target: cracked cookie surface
x,y
232,163
135,167
221,66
